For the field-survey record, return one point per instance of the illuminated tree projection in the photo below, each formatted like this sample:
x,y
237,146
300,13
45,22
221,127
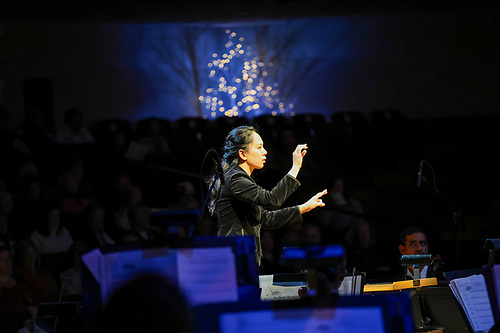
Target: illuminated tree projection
x,y
240,84
247,71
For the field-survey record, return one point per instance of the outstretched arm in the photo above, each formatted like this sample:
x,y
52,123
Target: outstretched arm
x,y
312,203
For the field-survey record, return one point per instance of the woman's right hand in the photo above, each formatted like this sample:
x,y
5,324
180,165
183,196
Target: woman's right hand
x,y
312,203
297,157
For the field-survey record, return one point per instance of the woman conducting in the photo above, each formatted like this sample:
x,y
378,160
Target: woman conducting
x,y
242,206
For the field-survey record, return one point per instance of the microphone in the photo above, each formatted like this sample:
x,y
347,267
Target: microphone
x,y
419,176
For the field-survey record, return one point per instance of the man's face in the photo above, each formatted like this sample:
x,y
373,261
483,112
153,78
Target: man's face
x,y
415,244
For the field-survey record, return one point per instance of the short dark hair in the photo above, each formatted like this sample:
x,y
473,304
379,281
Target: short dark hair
x,y
408,231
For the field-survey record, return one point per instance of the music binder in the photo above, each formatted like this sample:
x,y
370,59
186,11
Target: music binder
x,y
469,289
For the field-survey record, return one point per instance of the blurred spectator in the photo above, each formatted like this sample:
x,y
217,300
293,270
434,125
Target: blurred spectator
x,y
74,131
31,198
185,197
73,197
140,217
155,141
363,251
291,236
70,277
6,239
341,210
28,269
16,301
270,260
50,236
6,200
310,235
94,233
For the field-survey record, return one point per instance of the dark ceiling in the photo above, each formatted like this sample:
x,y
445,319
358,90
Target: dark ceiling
x,y
212,10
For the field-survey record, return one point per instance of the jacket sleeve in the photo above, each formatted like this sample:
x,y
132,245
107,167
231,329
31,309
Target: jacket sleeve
x,y
245,189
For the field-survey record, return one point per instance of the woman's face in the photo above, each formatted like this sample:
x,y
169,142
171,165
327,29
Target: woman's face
x,y
5,263
255,154
53,219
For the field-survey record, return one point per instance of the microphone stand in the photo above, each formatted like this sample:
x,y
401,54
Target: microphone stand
x,y
456,212
202,209
218,175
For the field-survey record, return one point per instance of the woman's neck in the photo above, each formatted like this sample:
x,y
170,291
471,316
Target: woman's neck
x,y
246,168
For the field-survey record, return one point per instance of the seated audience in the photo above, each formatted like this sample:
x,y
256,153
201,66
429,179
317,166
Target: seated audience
x,y
139,217
50,236
74,131
341,211
17,307
94,233
363,252
70,277
270,260
28,269
6,239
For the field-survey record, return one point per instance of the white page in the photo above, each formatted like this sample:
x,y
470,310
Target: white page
x,y
208,275
473,296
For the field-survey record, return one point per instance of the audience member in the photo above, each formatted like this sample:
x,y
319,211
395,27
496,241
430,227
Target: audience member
x,y
341,211
310,235
140,217
94,233
123,194
6,239
29,201
185,197
270,261
291,236
16,301
28,269
70,277
50,236
155,141
73,199
147,303
74,131
6,200
363,251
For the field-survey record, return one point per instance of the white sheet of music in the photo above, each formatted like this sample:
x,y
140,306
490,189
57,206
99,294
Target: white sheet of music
x,y
205,275
208,275
472,294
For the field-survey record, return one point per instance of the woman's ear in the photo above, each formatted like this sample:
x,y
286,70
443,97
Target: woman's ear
x,y
242,155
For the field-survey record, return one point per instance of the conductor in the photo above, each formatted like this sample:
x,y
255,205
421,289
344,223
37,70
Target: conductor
x,y
242,206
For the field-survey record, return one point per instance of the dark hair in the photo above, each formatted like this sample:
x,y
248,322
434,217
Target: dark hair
x,y
408,231
147,303
238,138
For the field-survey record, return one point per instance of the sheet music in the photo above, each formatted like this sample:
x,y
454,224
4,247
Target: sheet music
x,y
473,297
205,275
208,275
